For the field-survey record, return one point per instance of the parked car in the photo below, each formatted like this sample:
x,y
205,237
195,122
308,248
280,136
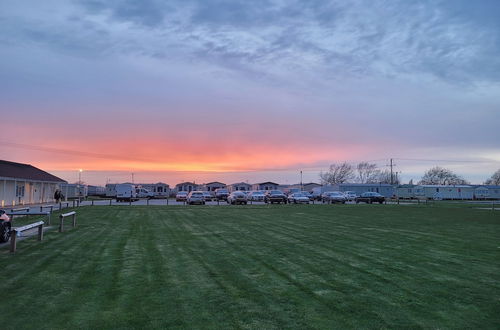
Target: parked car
x,y
350,195
298,197
275,196
256,196
5,227
195,197
221,194
237,197
308,195
333,197
208,196
370,197
181,196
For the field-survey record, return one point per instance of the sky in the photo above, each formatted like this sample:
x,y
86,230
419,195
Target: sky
x,y
205,90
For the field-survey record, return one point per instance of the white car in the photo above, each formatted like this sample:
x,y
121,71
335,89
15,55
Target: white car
x,y
350,195
256,196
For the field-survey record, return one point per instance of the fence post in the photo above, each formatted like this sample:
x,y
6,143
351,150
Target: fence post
x,y
74,220
60,205
48,218
40,232
110,201
73,203
167,200
92,202
147,202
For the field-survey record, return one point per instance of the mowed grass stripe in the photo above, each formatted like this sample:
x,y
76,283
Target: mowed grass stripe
x,y
319,266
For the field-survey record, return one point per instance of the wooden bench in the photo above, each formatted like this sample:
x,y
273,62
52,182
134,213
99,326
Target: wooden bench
x,y
65,215
27,209
12,214
15,231
51,207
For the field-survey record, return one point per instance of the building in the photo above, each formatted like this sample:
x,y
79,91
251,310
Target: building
x,y
186,186
159,190
265,186
303,187
73,190
26,184
213,186
240,186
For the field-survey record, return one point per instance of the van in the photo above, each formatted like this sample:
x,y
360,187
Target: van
x,y
125,192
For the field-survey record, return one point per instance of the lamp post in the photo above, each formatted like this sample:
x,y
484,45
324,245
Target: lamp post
x,y
79,183
301,186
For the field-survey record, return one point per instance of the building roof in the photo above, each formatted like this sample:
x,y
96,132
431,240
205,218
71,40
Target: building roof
x,y
215,182
268,182
366,184
240,183
188,183
25,172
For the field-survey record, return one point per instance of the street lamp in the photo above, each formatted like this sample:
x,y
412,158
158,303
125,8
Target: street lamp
x,y
79,183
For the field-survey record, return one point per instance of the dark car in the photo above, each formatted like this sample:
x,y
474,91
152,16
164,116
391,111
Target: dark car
x,y
5,227
370,197
237,197
275,196
221,194
333,197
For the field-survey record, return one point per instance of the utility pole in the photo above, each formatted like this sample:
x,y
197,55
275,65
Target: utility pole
x,y
392,176
132,177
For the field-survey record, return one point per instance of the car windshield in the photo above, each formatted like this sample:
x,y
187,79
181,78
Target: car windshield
x,y
299,195
275,192
335,194
182,193
197,194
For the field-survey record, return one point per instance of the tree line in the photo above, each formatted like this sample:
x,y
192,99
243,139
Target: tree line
x,y
365,172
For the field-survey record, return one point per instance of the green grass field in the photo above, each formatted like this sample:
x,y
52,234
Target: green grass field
x,y
259,267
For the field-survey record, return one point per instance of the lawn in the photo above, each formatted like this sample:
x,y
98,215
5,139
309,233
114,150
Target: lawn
x,y
259,267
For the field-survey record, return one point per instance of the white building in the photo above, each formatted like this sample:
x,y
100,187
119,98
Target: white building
x,y
26,184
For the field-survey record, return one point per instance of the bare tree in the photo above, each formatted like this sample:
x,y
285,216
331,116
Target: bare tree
x,y
495,179
367,173
442,176
338,173
385,177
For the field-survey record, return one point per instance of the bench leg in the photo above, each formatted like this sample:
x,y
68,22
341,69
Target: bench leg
x,y
61,225
74,220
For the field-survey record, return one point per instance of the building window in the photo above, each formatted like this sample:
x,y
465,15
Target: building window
x,y
19,191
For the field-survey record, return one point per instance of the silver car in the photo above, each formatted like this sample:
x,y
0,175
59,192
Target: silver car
x,y
298,197
195,197
237,197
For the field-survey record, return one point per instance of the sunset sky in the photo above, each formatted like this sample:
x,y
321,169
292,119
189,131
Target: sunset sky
x,y
249,90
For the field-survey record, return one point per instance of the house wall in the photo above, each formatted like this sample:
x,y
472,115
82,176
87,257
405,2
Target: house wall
x,y
21,192
239,187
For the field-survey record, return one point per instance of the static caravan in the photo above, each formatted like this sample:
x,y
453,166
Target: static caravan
x,y
408,191
384,189
159,190
213,186
493,191
265,186
96,191
241,186
111,190
74,190
186,186
481,192
448,191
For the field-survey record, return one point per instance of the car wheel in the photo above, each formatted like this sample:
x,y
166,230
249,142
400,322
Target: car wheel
x,y
4,233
